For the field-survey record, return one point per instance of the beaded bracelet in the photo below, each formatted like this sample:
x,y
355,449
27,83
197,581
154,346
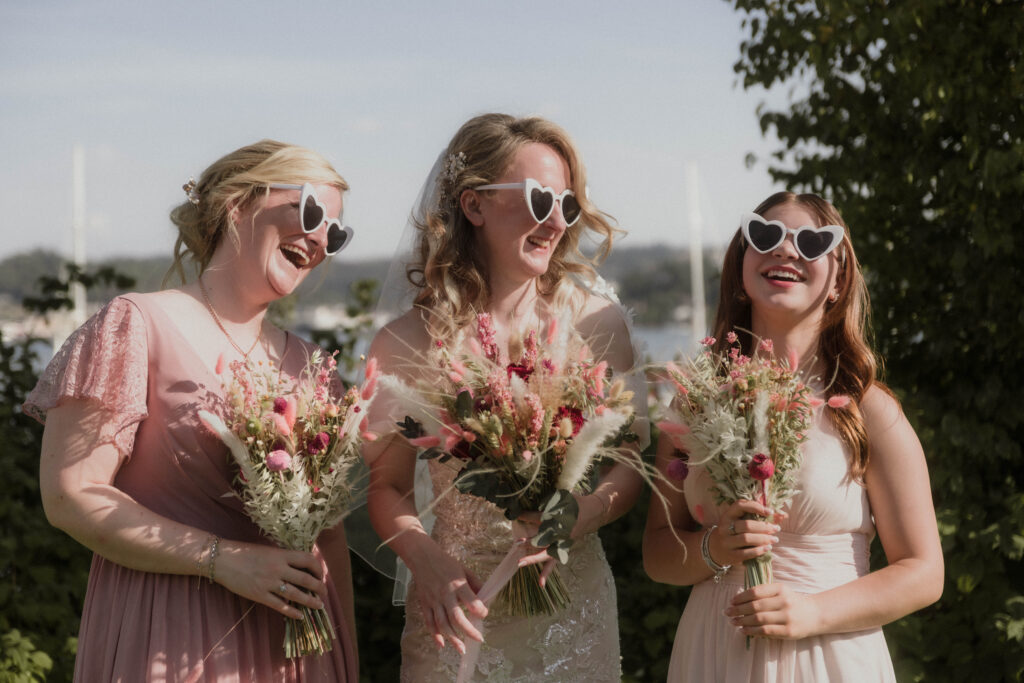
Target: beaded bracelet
x,y
211,563
705,552
202,552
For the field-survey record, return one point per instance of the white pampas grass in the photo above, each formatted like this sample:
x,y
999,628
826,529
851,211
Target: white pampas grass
x,y
586,446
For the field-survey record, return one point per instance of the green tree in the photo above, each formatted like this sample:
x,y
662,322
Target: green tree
x,y
910,117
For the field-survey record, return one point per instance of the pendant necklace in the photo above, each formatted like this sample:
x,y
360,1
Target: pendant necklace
x,y
216,319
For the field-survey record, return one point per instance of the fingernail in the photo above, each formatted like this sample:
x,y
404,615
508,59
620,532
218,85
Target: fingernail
x,y
775,539
776,527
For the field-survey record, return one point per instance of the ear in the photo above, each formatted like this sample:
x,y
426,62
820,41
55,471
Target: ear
x,y
469,201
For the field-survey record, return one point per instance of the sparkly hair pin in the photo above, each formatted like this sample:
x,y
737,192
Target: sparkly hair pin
x,y
190,191
454,165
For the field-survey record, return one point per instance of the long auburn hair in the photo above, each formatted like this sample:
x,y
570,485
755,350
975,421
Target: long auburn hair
x,y
448,269
850,367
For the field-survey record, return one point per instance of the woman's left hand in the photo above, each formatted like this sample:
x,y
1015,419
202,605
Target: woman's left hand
x,y
774,610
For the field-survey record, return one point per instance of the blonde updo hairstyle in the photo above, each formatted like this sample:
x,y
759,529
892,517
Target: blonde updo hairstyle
x,y
235,181
448,268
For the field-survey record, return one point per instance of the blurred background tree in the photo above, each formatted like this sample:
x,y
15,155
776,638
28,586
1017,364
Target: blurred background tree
x,y
909,116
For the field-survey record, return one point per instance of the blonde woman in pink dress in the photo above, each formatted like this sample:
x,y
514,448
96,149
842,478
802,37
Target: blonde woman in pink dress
x,y
791,279
183,586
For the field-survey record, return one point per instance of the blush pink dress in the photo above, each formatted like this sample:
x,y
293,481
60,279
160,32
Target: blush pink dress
x,y
823,544
142,626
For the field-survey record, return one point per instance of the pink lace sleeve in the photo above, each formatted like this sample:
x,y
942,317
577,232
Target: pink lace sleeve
x,y
105,361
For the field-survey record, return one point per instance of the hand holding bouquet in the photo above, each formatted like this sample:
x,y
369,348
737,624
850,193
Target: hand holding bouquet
x,y
526,434
295,442
742,419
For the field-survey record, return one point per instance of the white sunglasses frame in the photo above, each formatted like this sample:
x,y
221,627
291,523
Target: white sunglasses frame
x,y
530,184
309,191
836,231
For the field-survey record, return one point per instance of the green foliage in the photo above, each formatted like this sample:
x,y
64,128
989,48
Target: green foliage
x,y
910,117
346,338
20,661
43,573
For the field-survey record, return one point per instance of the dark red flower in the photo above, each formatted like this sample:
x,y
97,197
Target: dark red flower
x,y
523,371
280,405
761,467
574,414
318,443
463,450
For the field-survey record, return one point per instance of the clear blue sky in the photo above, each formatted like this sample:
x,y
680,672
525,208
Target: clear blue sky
x,y
155,91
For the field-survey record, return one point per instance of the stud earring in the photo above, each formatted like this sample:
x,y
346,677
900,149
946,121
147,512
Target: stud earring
x,y
833,297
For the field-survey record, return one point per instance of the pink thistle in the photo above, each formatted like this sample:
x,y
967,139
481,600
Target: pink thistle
x,y
278,460
838,401
761,467
425,441
678,469
219,368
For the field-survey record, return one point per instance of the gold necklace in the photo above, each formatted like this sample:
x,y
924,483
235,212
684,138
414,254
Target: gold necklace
x,y
216,319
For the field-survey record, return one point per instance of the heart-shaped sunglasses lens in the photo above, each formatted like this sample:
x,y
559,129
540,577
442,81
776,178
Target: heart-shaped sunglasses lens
x,y
541,203
312,213
338,237
813,244
763,235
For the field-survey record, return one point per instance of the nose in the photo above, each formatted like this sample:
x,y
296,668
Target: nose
x,y
556,220
787,250
319,236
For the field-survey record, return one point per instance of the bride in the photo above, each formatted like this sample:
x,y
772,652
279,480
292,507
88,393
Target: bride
x,y
498,232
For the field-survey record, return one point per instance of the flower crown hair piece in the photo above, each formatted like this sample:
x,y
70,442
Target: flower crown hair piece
x,y
454,165
190,191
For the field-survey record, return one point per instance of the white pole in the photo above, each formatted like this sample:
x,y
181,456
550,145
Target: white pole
x,y
698,323
78,219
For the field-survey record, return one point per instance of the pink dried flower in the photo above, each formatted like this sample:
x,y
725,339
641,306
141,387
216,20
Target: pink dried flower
x,y
708,341
278,460
552,331
731,337
368,388
371,368
283,428
838,401
279,405
575,415
487,336
220,364
527,455
767,345
761,467
794,360
425,441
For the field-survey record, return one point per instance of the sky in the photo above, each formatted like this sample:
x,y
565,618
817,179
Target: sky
x,y
155,91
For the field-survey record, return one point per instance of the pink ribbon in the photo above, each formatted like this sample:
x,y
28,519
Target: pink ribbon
x,y
501,575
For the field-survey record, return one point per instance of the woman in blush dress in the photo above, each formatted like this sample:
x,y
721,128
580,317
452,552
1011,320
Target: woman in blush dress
x,y
183,586
485,243
791,276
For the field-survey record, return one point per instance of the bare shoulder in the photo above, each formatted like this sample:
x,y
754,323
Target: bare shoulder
x,y
881,411
604,325
401,341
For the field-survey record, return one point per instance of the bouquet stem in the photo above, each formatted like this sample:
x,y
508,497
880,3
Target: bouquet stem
x,y
525,597
757,572
311,635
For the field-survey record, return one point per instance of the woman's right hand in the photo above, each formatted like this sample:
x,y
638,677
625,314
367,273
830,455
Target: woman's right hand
x,y
259,572
446,591
738,539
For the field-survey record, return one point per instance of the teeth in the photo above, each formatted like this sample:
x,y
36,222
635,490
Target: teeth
x,y
301,257
538,241
780,274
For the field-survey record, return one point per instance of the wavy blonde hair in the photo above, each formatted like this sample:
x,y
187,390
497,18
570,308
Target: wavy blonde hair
x,y
843,348
448,269
235,181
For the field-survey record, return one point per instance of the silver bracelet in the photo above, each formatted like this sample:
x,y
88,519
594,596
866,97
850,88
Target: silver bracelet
x,y
705,552
211,566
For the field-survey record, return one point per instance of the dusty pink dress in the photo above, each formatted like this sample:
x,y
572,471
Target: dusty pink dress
x,y
824,544
141,626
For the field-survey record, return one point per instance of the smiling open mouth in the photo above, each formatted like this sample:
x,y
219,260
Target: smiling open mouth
x,y
540,241
297,256
783,275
